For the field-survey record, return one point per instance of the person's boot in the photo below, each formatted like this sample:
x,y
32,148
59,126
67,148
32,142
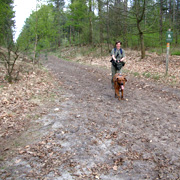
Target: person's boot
x,y
112,86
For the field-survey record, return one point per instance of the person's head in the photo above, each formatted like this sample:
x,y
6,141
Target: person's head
x,y
118,44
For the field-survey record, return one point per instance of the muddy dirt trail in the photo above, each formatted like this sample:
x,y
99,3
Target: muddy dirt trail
x,y
92,135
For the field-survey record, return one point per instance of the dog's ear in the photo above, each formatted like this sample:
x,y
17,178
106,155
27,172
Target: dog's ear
x,y
125,79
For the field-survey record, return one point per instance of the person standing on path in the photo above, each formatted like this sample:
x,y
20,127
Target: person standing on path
x,y
118,56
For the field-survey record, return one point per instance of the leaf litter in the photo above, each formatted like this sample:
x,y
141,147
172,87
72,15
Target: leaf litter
x,y
93,136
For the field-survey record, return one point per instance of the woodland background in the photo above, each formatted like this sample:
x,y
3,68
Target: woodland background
x,y
139,24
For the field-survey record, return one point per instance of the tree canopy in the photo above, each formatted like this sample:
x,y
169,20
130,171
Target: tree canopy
x,y
137,23
6,22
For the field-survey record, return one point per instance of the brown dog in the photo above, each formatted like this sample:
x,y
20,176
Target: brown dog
x,y
119,83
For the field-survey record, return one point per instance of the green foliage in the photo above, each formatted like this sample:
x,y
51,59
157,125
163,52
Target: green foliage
x,y
156,76
148,40
133,41
153,76
136,74
43,26
9,56
147,74
175,51
6,22
77,14
57,27
78,22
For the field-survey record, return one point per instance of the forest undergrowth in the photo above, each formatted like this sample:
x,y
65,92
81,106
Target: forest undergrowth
x,y
152,67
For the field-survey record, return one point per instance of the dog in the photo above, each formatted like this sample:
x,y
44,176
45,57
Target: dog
x,y
119,83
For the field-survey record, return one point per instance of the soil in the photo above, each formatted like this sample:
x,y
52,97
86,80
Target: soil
x,y
89,134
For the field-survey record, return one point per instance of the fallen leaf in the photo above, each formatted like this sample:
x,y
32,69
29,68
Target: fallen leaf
x,y
18,161
97,177
115,168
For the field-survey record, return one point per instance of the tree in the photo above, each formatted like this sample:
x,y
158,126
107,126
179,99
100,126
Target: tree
x,y
9,59
45,30
161,22
125,31
177,20
139,13
108,24
137,23
90,23
77,19
9,54
6,22
146,15
100,20
58,19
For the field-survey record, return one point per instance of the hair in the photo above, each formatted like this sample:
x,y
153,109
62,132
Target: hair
x,y
118,42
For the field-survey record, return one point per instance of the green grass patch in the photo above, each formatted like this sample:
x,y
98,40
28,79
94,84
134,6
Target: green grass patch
x,y
157,50
173,77
67,59
136,74
147,74
156,77
174,82
177,53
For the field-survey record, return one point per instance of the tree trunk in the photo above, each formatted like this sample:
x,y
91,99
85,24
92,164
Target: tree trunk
x,y
108,36
35,47
141,37
161,24
70,34
177,20
139,18
36,38
142,46
174,18
125,25
174,12
90,23
100,21
57,21
170,13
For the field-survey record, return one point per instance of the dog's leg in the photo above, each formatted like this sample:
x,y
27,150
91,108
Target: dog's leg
x,y
117,93
115,90
122,94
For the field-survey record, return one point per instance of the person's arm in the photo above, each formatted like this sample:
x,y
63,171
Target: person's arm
x,y
123,54
122,59
113,57
112,54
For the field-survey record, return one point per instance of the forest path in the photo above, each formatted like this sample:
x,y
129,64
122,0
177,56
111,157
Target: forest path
x,y
92,135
